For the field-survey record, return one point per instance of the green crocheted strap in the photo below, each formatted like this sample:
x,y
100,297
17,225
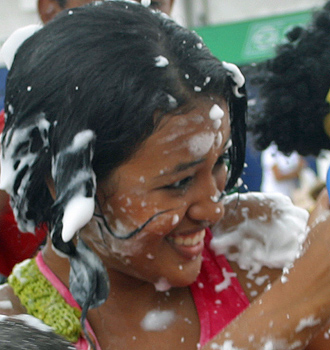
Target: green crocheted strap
x,y
43,301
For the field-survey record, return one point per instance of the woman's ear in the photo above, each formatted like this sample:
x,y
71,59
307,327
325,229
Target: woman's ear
x,y
48,9
51,186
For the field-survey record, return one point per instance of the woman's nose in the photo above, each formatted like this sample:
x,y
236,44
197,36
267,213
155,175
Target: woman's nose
x,y
206,205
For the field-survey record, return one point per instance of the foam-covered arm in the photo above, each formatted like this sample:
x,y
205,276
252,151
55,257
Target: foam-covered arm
x,y
290,313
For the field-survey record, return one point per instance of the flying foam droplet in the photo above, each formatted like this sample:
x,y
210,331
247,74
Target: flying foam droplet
x,y
161,61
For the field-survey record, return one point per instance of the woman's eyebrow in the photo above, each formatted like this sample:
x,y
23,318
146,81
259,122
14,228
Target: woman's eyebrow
x,y
183,166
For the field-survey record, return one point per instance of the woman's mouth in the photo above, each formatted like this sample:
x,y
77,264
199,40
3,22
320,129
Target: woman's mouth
x,y
189,245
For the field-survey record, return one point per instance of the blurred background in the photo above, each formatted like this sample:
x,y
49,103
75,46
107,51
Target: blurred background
x,y
238,31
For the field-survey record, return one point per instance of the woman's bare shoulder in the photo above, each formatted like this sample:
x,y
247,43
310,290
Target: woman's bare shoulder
x,y
9,302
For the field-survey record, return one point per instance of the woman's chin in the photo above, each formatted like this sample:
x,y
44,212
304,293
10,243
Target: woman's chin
x,y
184,276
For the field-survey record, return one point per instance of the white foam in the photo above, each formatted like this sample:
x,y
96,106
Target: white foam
x,y
226,282
253,243
216,112
77,213
307,322
162,285
161,61
200,144
156,320
176,219
146,3
236,75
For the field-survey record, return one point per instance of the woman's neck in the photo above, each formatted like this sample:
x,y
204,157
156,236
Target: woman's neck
x,y
60,266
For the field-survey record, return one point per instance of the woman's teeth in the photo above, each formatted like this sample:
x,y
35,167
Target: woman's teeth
x,y
188,241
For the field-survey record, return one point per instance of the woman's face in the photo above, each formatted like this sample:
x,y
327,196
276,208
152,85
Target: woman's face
x,y
171,178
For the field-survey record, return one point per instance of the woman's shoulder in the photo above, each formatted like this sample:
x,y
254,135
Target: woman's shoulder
x,y
10,304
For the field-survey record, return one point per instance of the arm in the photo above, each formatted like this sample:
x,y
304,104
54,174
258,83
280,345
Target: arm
x,y
289,313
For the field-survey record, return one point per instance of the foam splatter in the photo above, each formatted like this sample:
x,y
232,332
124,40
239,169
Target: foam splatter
x,y
199,145
226,282
161,61
216,112
162,285
274,243
236,75
155,320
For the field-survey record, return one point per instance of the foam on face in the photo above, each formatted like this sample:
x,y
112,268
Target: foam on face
x,y
216,112
162,285
22,150
200,144
12,161
274,243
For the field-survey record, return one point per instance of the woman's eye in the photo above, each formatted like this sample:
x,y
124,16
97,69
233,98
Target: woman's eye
x,y
223,159
180,185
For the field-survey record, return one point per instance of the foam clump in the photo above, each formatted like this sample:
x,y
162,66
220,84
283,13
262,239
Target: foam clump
x,y
273,239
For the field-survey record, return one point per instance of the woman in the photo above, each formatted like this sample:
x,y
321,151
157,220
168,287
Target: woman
x,y
123,133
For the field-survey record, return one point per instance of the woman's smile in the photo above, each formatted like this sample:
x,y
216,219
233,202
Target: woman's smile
x,y
188,245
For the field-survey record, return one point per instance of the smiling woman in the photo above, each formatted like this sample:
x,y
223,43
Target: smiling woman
x,y
123,134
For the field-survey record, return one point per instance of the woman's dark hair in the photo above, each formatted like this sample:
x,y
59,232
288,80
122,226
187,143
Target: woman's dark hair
x,y
81,97
292,91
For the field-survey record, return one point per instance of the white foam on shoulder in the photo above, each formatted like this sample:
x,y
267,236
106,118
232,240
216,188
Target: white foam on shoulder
x,y
254,243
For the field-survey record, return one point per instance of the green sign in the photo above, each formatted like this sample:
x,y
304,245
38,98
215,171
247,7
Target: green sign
x,y
250,41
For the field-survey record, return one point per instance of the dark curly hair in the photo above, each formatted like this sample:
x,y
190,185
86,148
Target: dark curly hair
x,y
292,88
